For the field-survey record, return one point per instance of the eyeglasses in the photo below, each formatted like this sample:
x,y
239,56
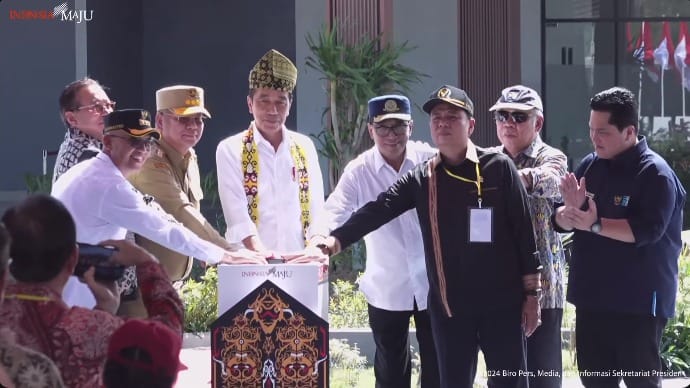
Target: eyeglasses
x,y
99,107
139,143
188,120
383,130
518,117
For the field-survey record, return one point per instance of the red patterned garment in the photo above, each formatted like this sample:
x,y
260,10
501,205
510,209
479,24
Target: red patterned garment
x,y
76,339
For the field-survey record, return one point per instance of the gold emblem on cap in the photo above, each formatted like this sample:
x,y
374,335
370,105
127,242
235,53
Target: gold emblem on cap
x,y
193,99
144,123
443,93
391,106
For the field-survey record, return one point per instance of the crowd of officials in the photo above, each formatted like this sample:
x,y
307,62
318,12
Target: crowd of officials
x,y
464,239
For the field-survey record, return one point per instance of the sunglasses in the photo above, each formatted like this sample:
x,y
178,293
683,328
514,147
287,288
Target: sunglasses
x,y
383,130
99,107
139,143
518,117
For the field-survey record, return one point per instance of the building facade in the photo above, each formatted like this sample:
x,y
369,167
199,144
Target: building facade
x,y
567,49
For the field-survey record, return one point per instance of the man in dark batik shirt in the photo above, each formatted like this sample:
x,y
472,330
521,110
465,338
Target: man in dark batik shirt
x,y
83,106
478,242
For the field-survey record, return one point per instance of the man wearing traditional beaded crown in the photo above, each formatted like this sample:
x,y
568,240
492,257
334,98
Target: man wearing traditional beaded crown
x,y
269,179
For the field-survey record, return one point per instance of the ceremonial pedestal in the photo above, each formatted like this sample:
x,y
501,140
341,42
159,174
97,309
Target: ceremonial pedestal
x,y
268,337
305,282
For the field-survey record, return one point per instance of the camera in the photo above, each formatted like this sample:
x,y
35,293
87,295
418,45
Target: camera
x,y
98,256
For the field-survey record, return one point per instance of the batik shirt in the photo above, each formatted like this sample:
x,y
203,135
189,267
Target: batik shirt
x,y
76,339
27,368
546,166
76,147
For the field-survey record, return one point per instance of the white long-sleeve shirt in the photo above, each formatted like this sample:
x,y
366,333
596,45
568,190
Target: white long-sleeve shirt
x,y
279,217
105,206
395,274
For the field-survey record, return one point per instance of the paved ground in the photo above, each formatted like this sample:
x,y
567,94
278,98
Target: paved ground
x,y
198,360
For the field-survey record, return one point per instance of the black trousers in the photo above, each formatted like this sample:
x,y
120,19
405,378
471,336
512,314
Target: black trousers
x,y
500,335
614,346
392,362
544,357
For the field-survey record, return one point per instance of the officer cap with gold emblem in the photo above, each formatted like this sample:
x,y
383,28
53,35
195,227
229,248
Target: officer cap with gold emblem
x,y
273,71
133,122
451,95
183,100
391,106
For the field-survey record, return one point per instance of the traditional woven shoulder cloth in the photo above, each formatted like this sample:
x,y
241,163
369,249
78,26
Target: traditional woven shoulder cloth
x,y
250,172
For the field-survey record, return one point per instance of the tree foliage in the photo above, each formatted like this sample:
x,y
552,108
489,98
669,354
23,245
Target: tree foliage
x,y
354,73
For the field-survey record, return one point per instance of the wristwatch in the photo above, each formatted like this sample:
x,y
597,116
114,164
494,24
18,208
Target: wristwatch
x,y
596,226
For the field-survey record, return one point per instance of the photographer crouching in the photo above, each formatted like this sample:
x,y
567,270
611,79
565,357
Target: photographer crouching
x,y
44,254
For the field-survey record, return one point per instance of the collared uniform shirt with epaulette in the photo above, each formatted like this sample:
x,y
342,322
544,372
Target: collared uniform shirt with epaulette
x,y
174,181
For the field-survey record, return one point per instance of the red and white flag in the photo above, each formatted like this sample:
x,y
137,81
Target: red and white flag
x,y
644,52
681,55
663,52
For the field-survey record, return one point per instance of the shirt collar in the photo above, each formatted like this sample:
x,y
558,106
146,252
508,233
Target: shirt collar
x,y
632,154
259,139
470,154
176,159
105,158
77,133
531,151
379,161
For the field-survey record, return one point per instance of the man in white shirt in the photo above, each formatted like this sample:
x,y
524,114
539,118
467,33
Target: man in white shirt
x,y
269,179
105,205
395,281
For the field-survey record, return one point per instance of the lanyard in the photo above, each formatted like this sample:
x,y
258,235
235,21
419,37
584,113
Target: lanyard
x,y
33,298
477,183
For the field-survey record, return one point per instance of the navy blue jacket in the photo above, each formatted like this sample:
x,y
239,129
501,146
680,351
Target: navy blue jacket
x,y
642,277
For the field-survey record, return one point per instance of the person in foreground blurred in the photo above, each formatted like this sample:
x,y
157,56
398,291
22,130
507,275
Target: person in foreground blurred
x,y
20,366
143,354
44,254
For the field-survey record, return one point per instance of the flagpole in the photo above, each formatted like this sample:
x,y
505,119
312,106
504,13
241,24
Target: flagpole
x,y
661,67
639,94
682,87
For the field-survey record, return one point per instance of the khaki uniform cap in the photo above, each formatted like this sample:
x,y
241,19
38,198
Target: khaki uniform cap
x,y
183,100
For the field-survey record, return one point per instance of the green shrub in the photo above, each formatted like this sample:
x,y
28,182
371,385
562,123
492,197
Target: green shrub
x,y
675,341
347,306
38,183
200,302
346,363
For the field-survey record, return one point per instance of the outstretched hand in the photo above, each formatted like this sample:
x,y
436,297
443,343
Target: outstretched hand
x,y
572,191
243,256
311,254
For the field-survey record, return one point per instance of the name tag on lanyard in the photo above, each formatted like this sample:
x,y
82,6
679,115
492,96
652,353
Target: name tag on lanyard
x,y
480,219
480,224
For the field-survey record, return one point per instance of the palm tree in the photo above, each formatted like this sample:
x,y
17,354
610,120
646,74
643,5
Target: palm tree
x,y
353,74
